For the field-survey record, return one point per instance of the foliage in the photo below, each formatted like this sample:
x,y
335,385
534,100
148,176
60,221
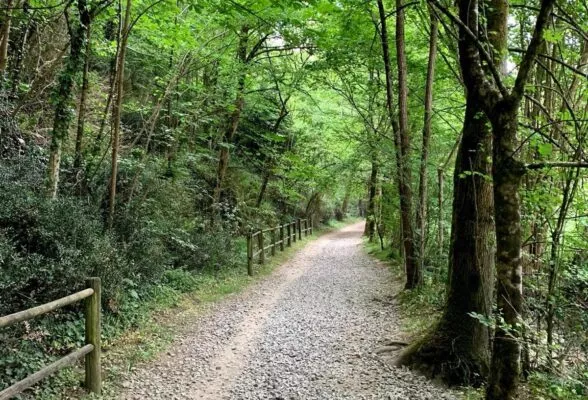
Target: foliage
x,y
307,98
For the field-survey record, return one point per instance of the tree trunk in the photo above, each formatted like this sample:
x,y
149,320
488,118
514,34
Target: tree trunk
x,y
78,158
345,205
4,38
113,73
414,273
223,159
63,96
116,111
507,175
458,349
264,182
568,194
267,173
440,184
421,215
27,27
370,223
401,144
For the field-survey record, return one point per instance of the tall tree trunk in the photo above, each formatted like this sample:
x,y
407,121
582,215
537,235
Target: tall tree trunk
x,y
414,273
401,144
4,38
83,98
63,96
264,182
267,173
370,223
223,159
569,191
345,205
458,349
116,111
27,27
113,73
507,174
440,184
421,215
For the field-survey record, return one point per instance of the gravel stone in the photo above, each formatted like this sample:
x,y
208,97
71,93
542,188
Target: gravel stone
x,y
314,329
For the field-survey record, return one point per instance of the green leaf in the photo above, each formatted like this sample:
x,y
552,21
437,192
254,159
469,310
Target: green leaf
x,y
545,149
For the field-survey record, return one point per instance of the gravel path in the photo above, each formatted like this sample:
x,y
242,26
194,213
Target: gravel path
x,y
312,330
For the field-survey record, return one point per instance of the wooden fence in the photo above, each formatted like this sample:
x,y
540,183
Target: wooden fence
x,y
280,237
91,350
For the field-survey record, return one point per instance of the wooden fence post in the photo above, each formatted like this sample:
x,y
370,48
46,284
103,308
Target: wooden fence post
x,y
250,254
260,243
306,227
288,226
282,237
311,225
299,229
274,241
294,233
93,364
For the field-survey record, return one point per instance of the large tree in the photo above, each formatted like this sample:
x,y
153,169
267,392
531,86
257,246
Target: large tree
x,y
483,79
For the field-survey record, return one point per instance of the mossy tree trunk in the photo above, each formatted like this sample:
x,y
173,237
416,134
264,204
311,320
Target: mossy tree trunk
x,y
421,212
482,75
78,157
63,96
458,349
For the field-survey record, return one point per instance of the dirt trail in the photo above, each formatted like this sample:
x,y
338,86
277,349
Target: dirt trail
x,y
311,330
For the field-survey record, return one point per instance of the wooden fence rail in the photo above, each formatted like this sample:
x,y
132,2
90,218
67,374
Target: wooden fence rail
x,y
91,351
280,236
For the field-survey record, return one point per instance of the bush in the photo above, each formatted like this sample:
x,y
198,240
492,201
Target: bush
x,y
160,247
49,247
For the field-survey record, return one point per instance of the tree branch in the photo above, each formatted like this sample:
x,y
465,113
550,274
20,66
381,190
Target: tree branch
x,y
558,61
477,43
556,164
532,50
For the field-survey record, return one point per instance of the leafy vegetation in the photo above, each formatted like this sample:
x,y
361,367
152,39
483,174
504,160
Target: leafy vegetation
x,y
141,140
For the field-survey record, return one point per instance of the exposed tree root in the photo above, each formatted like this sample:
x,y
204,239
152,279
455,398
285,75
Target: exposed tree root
x,y
446,357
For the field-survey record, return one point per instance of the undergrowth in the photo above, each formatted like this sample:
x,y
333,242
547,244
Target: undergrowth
x,y
142,327
420,308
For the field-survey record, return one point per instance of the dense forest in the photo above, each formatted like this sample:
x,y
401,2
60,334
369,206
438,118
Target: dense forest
x,y
141,140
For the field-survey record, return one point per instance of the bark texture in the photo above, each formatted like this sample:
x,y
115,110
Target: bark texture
x,y
78,158
66,82
458,348
421,216
414,273
402,145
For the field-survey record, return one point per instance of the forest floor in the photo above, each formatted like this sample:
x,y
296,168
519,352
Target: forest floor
x,y
319,327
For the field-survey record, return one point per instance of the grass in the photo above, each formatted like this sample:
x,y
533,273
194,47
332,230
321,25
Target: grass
x,y
161,315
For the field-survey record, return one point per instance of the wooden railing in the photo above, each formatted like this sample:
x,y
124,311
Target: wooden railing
x,y
91,350
288,233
